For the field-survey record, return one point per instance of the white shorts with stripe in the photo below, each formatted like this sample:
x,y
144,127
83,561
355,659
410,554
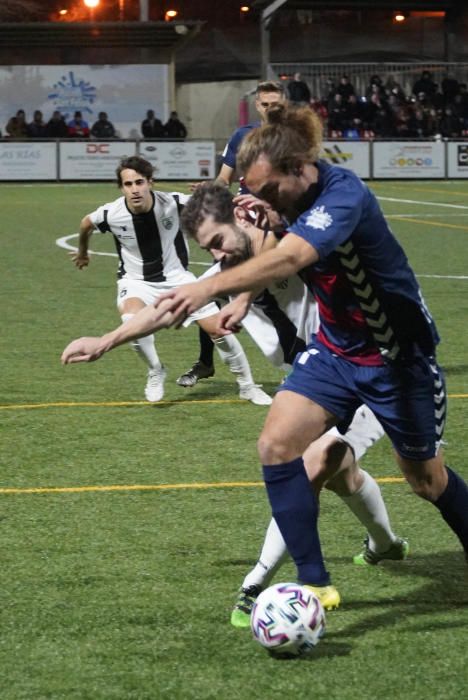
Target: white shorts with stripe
x,y
148,292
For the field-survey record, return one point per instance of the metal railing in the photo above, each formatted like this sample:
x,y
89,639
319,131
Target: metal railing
x,y
316,75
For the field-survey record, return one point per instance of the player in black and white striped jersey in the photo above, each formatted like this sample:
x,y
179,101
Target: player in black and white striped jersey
x,y
153,258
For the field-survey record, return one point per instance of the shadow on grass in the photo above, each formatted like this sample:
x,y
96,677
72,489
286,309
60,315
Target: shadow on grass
x,y
445,591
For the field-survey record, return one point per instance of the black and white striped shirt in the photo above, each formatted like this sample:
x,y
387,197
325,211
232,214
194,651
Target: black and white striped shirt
x,y
150,246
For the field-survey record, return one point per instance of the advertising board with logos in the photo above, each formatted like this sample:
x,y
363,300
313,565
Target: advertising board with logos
x,y
408,159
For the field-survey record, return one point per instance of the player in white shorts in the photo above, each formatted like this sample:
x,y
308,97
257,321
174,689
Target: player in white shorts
x,y
331,460
153,257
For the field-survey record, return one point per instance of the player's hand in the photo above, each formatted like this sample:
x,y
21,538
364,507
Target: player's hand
x,y
194,186
258,211
230,316
81,260
184,300
82,350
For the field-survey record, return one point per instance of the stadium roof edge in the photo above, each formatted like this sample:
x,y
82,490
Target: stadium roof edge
x,y
167,37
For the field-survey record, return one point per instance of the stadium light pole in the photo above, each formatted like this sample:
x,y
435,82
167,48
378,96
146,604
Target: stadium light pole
x,y
265,23
144,11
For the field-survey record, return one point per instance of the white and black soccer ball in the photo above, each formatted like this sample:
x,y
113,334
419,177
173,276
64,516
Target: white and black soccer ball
x,y
288,619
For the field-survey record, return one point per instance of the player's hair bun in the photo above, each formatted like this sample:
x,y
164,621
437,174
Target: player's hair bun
x,y
276,113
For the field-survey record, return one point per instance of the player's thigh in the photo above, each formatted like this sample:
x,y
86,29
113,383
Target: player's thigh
x,y
293,422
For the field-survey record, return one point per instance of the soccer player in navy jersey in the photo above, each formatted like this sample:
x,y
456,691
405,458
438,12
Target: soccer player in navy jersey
x,y
376,343
267,94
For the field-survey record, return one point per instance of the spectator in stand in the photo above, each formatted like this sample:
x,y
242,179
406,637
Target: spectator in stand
x,y
450,88
375,87
355,111
450,126
78,128
460,109
345,89
418,124
425,84
103,128
151,127
16,127
380,118
37,128
298,91
337,114
174,128
56,127
392,88
319,107
329,90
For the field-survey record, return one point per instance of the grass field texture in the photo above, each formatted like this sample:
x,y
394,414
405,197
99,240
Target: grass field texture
x,y
128,527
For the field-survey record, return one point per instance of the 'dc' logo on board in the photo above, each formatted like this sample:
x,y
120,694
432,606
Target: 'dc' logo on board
x,y
97,148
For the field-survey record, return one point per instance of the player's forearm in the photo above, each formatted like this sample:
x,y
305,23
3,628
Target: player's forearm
x,y
146,321
86,231
254,274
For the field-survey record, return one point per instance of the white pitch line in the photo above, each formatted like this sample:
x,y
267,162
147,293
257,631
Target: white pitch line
x,y
427,204
426,216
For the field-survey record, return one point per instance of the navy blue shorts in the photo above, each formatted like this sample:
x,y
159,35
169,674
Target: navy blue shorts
x,y
409,400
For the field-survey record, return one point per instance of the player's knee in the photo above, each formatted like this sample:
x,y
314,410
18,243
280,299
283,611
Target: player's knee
x,y
425,487
272,450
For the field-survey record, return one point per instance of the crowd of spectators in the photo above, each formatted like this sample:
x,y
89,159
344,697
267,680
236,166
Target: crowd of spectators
x,y
385,111
18,127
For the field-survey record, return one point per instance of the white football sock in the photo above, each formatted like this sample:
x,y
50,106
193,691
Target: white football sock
x,y
233,355
368,506
144,347
273,554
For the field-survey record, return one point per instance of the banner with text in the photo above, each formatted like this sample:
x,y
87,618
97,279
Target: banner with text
x,y
353,155
457,159
409,160
93,160
180,160
28,161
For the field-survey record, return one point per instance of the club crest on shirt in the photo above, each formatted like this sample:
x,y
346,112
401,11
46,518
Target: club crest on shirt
x,y
168,222
319,218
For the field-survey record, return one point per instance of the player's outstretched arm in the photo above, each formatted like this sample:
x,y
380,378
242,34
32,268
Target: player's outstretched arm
x,y
146,321
81,256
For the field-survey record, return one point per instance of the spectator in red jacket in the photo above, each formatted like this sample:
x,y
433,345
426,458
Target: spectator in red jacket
x,y
78,128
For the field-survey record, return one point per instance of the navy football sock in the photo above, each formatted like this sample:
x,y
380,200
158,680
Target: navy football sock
x,y
453,506
206,348
295,509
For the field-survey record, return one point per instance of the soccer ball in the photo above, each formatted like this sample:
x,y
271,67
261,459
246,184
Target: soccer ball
x,y
287,619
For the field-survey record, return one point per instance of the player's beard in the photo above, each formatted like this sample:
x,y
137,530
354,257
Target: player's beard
x,y
243,250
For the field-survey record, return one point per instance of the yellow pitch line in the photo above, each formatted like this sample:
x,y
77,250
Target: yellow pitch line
x,y
113,404
118,404
156,487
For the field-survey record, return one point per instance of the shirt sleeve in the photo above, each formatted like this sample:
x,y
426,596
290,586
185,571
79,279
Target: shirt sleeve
x,y
99,218
230,152
333,217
